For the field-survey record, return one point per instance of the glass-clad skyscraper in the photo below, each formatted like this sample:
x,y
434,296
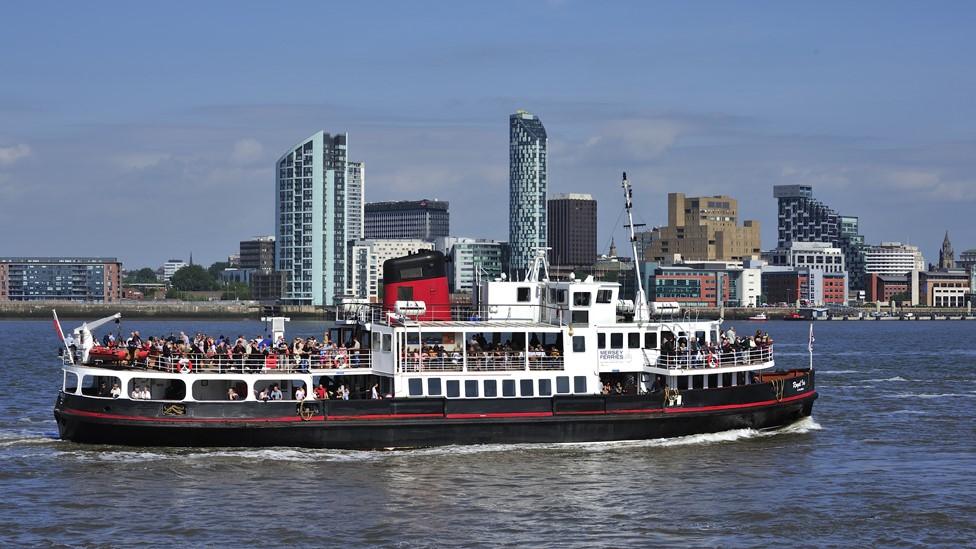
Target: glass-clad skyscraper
x,y
527,184
312,222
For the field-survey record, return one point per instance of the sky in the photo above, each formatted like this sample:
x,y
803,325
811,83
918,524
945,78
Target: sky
x,y
149,130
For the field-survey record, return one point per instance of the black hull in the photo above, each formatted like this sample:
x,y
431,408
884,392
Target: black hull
x,y
408,423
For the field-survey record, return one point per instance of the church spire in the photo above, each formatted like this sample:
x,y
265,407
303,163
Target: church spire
x,y
947,258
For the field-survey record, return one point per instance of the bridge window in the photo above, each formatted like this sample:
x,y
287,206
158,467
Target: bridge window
x,y
601,341
415,386
579,344
562,385
523,295
581,299
604,296
527,387
650,340
545,387
471,388
453,388
491,388
580,318
434,386
70,382
508,387
387,342
616,341
633,340
579,384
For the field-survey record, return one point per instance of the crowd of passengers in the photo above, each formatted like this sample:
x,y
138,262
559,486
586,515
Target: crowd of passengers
x,y
731,348
238,354
480,348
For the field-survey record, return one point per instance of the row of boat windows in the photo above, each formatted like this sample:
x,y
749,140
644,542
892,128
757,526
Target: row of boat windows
x,y
489,388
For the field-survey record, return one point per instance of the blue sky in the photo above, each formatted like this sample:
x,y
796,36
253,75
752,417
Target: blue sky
x,y
149,130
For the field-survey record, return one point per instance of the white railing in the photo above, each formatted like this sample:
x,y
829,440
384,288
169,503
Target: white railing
x,y
431,364
482,362
745,357
272,363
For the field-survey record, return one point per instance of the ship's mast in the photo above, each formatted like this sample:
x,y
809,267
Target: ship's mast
x,y
640,301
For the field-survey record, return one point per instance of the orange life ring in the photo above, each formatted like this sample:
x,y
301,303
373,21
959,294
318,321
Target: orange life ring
x,y
185,367
712,362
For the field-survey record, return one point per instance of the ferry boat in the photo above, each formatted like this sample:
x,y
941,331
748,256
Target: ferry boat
x,y
530,361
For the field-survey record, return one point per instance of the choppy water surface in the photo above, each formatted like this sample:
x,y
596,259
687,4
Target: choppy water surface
x,y
888,459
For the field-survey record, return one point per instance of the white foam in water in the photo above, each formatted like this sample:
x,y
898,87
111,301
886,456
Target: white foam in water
x,y
891,379
929,395
837,371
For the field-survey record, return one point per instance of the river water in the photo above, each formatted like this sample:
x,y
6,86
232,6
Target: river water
x,y
888,459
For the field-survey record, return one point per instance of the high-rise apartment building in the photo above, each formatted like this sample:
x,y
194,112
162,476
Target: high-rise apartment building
x,y
60,278
893,258
365,263
170,267
407,219
572,230
311,226
811,255
703,229
528,179
355,199
257,253
470,260
803,218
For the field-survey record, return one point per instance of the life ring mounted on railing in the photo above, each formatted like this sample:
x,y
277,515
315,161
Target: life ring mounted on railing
x,y
185,366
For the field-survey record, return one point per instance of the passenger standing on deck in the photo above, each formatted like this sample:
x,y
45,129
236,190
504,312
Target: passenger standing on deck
x,y
375,391
300,393
275,393
116,390
321,393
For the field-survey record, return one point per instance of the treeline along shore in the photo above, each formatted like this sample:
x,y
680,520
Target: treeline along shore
x,y
174,309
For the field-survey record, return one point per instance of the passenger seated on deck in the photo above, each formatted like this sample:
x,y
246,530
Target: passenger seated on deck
x,y
263,395
116,390
275,393
232,394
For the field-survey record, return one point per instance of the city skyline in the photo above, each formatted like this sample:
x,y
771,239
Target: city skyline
x,y
164,141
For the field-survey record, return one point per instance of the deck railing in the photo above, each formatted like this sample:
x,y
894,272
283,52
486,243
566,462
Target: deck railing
x,y
488,362
272,363
745,357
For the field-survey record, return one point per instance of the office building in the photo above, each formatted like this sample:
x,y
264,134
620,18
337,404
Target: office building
x,y
470,260
803,218
257,253
170,267
704,284
892,258
528,180
944,288
883,287
804,286
60,278
365,263
572,229
268,285
813,255
703,229
967,260
311,227
407,220
355,200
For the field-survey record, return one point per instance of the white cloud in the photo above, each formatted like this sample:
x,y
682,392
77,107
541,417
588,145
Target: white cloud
x,y
247,150
9,155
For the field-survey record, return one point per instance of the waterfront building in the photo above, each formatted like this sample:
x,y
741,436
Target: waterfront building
x,y
234,260
528,176
355,200
703,229
571,233
704,284
60,278
892,258
170,267
268,285
947,258
311,227
883,287
944,288
470,260
967,260
407,220
365,263
803,218
804,286
257,253
813,255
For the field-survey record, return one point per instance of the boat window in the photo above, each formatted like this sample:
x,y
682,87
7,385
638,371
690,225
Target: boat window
x,y
453,388
471,388
162,389
601,341
561,296
545,387
700,336
604,296
524,294
579,344
697,382
387,342
508,387
633,340
491,388
100,386
219,389
650,340
616,341
562,384
581,299
527,387
70,382
413,338
682,383
434,386
415,386
579,384
580,318
286,386
376,343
